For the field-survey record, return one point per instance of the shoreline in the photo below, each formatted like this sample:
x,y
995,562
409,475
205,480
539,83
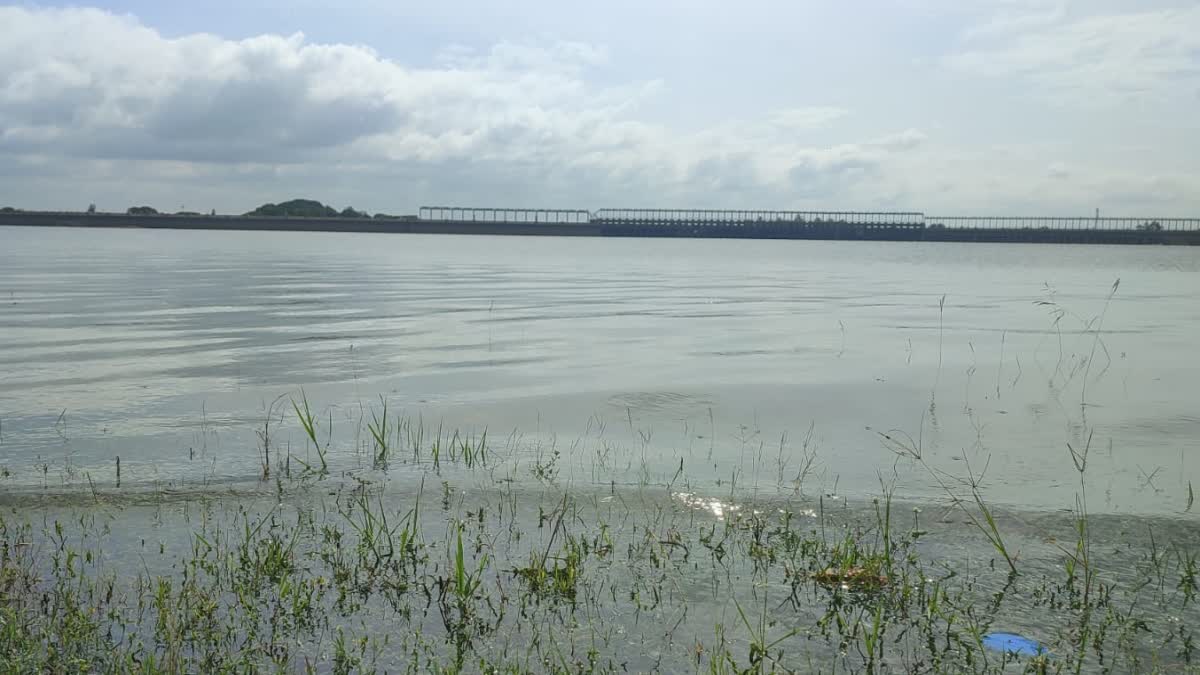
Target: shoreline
x,y
831,231
548,578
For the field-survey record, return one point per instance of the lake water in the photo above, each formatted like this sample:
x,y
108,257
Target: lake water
x,y
630,357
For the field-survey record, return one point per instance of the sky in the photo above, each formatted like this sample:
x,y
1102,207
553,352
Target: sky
x,y
950,107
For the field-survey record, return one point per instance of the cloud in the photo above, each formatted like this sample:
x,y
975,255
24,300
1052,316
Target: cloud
x,y
905,140
1141,55
1018,16
814,117
91,86
97,106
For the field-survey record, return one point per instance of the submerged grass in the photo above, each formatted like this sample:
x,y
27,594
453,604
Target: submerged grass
x,y
381,433
308,423
559,578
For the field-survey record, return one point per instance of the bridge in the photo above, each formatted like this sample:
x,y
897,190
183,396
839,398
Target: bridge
x,y
721,217
1041,223
894,226
852,225
461,214
631,222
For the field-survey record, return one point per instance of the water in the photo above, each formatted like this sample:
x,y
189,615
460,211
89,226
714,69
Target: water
x,y
166,348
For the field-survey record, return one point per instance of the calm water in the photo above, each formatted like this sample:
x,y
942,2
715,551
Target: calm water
x,y
628,356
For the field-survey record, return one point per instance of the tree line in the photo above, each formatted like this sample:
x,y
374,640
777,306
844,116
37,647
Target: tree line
x,y
295,208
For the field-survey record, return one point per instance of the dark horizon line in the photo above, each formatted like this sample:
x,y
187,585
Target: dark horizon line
x,y
908,228
599,214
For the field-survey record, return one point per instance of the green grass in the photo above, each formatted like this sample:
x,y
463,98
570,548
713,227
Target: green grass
x,y
380,433
308,423
554,581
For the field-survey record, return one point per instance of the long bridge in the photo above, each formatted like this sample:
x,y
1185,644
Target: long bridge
x,y
852,225
694,223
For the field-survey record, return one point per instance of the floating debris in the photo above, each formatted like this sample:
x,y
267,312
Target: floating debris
x,y
854,578
1011,643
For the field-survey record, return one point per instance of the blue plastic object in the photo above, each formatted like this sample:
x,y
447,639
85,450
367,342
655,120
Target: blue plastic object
x,y
1011,643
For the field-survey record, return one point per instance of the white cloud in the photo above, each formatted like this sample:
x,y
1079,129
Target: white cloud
x,y
1017,16
814,117
1045,106
85,84
905,140
1150,54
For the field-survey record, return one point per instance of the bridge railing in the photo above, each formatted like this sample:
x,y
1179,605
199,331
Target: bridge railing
x,y
490,215
725,217
1051,223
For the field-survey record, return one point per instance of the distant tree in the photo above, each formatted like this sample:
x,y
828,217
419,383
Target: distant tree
x,y
186,213
349,212
295,208
91,208
1153,226
8,209
142,211
214,212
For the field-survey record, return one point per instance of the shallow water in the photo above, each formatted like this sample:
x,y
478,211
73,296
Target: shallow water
x,y
627,356
662,584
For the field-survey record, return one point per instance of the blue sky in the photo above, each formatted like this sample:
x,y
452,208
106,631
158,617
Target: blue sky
x,y
954,107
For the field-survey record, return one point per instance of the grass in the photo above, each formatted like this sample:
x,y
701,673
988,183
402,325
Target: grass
x,y
381,433
975,508
308,423
551,579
